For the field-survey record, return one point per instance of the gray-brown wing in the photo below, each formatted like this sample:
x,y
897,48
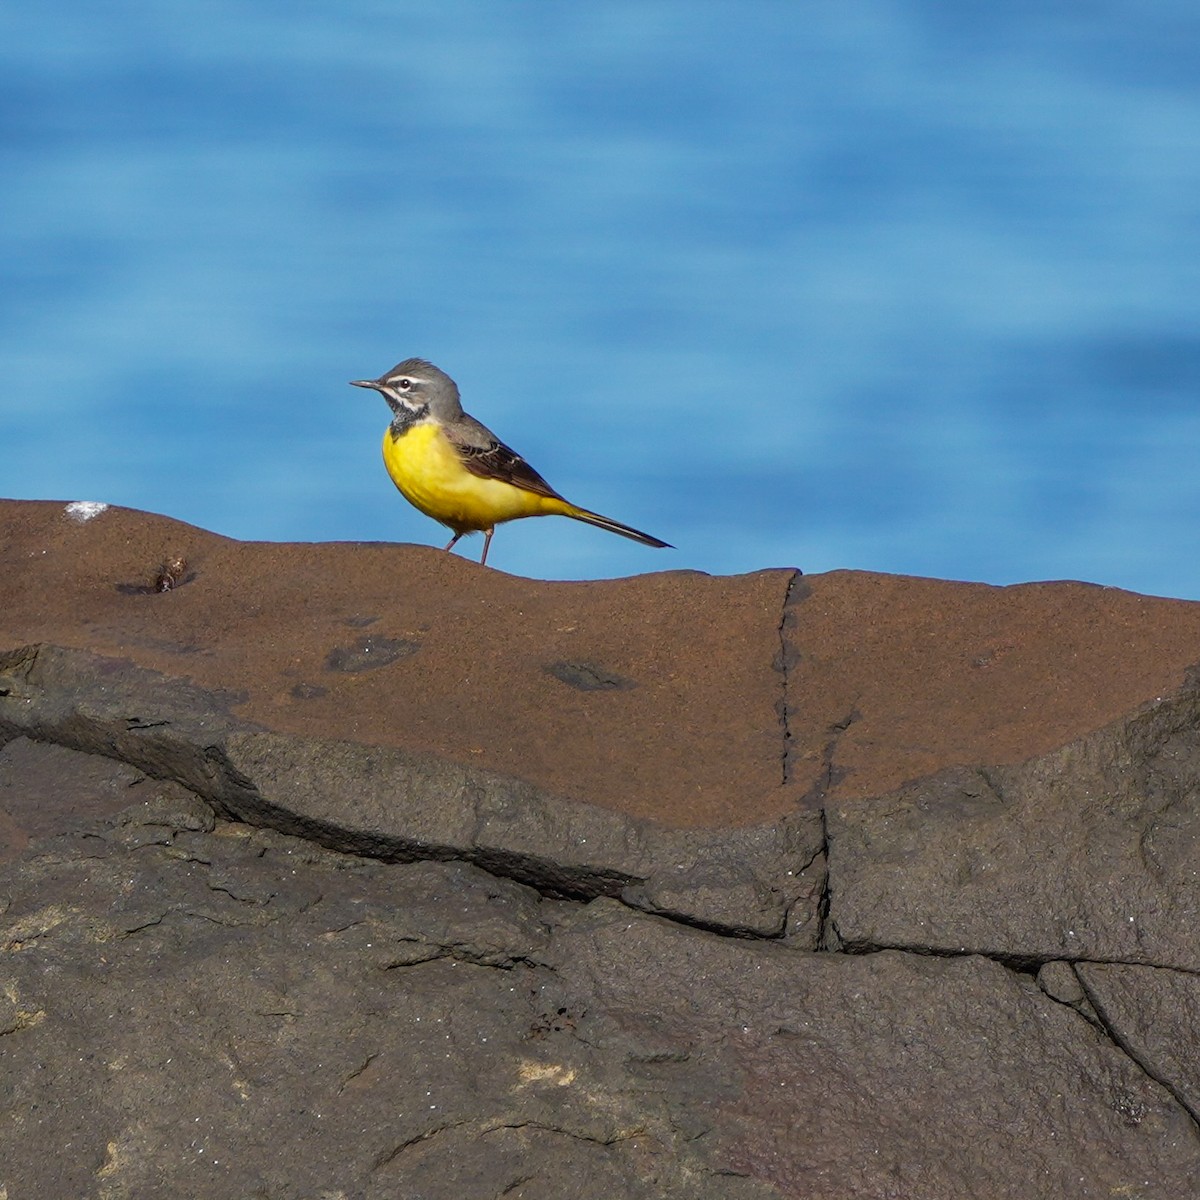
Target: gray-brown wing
x,y
485,455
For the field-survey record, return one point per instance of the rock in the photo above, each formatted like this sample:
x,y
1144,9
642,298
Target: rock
x,y
1086,853
893,679
738,700
456,884
228,1011
411,648
1152,1013
398,805
46,790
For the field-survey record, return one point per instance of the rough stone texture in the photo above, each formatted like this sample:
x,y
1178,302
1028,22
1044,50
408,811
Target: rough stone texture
x,y
893,679
46,790
197,1009
658,696
1154,1015
394,804
685,699
362,872
1091,852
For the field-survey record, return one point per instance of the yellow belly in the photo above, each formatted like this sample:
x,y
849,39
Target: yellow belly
x,y
431,477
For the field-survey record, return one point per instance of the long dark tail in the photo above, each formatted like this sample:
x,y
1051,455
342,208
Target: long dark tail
x,y
591,518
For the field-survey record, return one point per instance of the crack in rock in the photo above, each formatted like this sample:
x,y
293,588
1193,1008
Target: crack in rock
x,y
827,937
389,1156
1111,1030
483,1129
460,952
542,1127
788,658
356,1073
828,775
394,805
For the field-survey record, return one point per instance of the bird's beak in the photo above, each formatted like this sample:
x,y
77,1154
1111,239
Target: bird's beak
x,y
367,383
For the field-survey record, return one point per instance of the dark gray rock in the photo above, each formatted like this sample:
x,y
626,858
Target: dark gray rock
x,y
1154,1014
296,967
47,789
1060,981
1086,853
399,805
874,1075
211,1010
232,1012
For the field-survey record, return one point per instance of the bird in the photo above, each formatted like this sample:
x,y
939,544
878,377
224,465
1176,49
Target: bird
x,y
456,470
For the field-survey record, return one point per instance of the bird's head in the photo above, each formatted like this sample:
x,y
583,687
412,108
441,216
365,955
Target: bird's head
x,y
415,388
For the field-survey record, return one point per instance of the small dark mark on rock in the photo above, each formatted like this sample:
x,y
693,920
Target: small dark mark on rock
x,y
786,659
368,653
586,677
140,723
845,723
1131,1109
562,1020
358,622
990,656
169,646
309,691
170,575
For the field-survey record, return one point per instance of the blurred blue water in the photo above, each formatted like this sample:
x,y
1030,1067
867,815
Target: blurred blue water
x,y
904,286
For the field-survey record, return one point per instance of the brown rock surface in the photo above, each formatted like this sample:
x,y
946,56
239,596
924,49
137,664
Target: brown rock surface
x,y
896,678
331,857
661,696
655,696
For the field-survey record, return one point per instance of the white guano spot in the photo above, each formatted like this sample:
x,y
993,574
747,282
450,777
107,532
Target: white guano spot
x,y
84,510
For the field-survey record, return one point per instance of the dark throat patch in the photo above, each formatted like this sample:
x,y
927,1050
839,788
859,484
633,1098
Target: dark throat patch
x,y
405,419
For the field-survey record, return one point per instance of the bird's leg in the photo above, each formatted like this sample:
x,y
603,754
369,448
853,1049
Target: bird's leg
x,y
450,544
487,541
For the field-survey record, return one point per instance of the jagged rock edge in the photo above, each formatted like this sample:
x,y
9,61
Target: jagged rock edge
x,y
1110,1030
187,743
147,746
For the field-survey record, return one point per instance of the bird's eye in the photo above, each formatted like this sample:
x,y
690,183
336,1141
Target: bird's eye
x,y
404,384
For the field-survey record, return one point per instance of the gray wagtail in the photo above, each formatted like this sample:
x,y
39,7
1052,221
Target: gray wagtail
x,y
456,470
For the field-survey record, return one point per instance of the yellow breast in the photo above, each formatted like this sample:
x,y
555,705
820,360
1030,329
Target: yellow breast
x,y
430,475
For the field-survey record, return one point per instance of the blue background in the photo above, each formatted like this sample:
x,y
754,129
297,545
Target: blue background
x,y
905,286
